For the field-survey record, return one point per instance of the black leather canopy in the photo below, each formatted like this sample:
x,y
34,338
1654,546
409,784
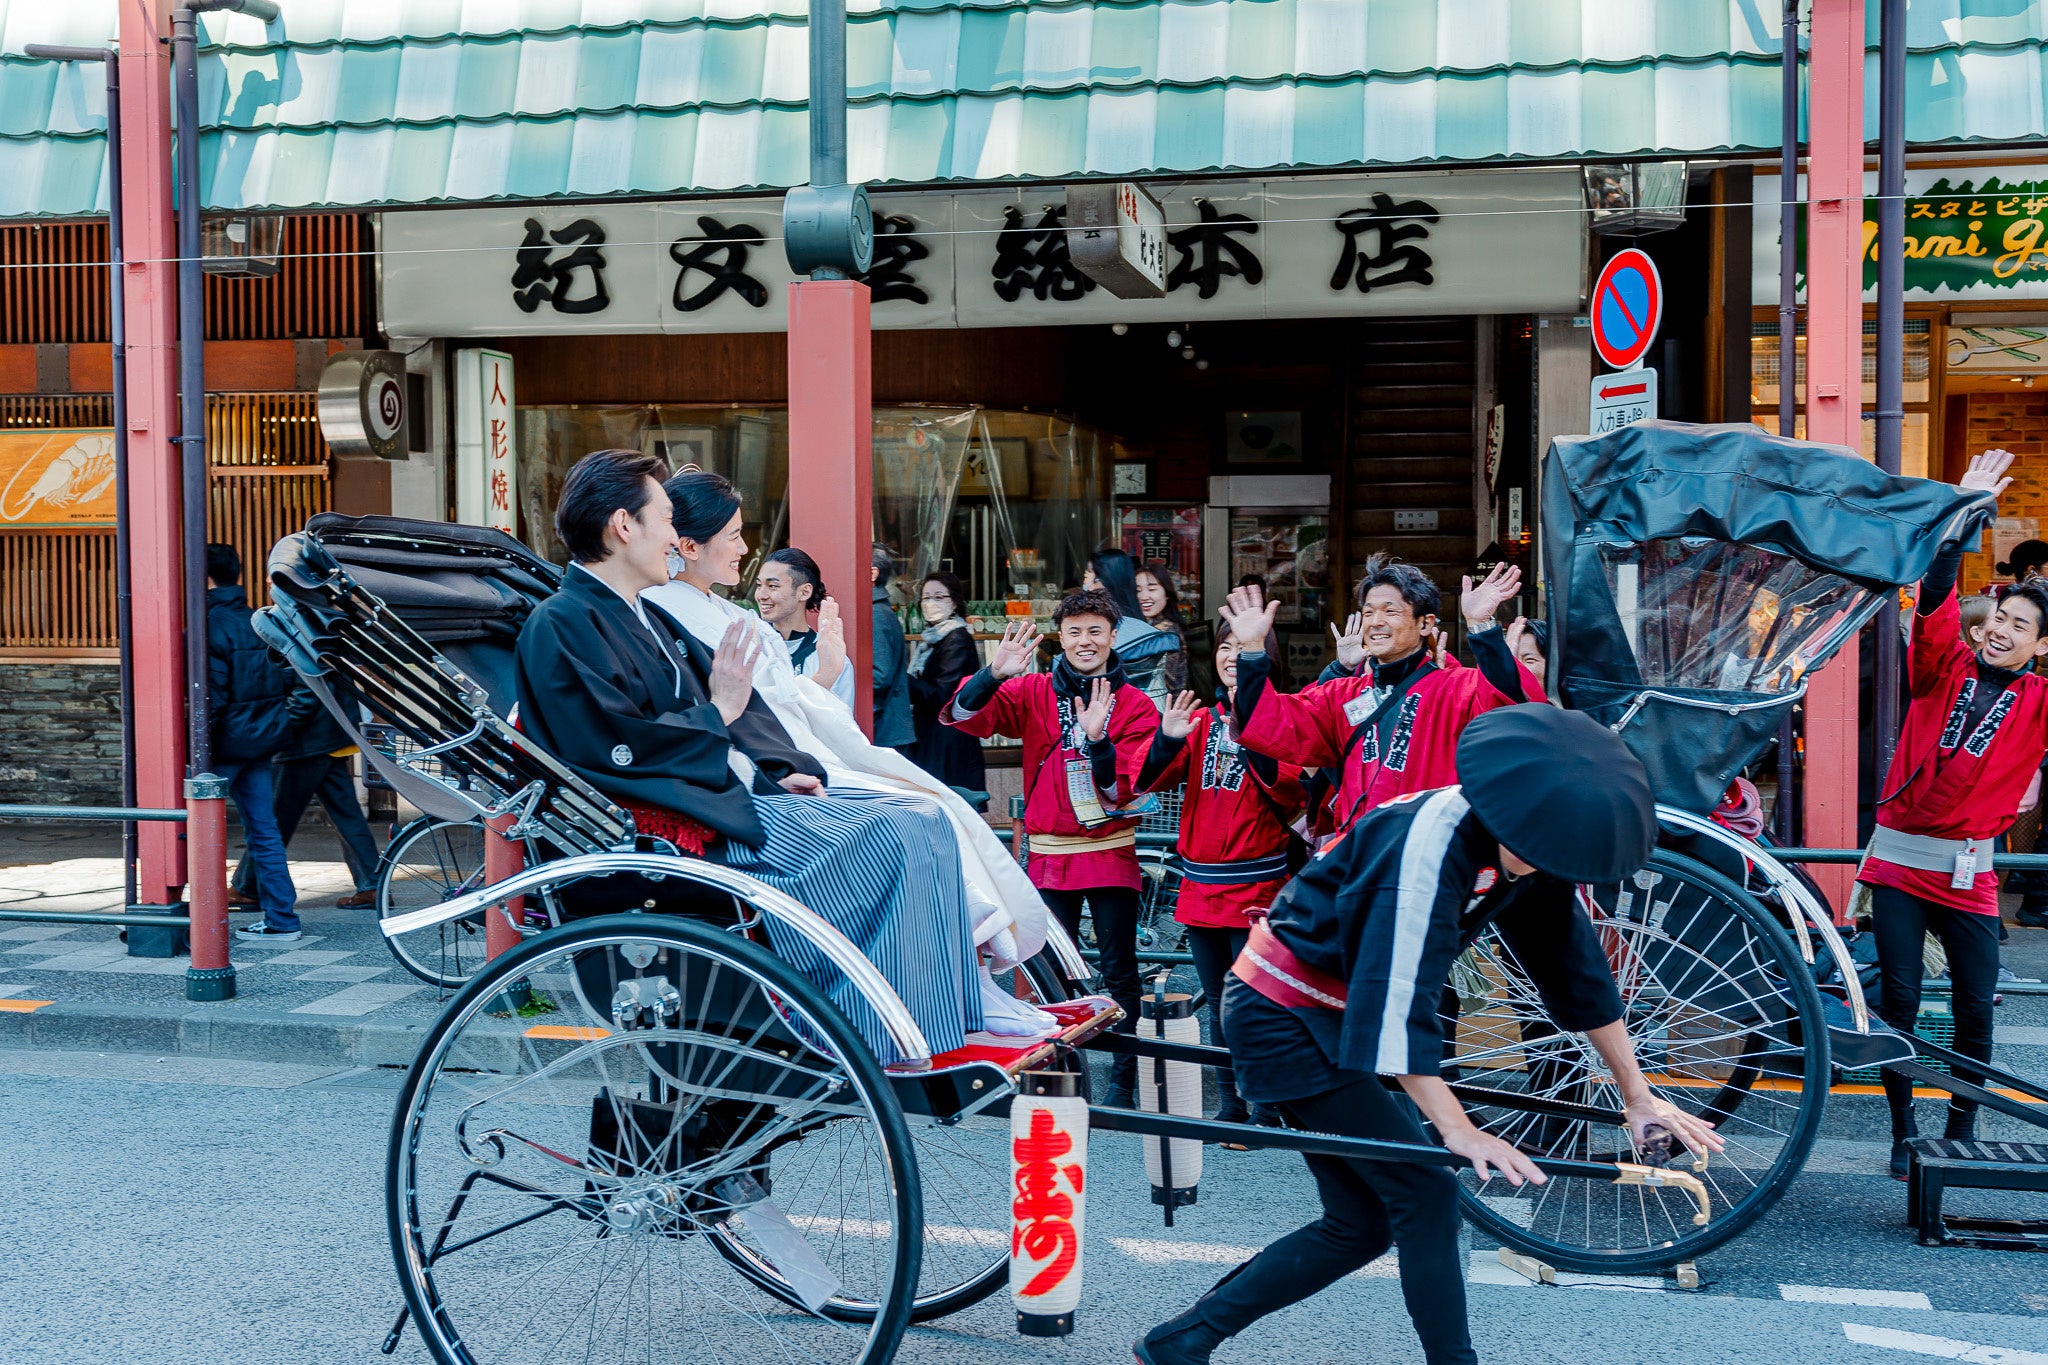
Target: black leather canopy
x,y
1814,535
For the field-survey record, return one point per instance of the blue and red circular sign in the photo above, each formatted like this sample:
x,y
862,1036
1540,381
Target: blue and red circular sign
x,y
1628,304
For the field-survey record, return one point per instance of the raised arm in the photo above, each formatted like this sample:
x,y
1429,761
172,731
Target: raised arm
x,y
1296,728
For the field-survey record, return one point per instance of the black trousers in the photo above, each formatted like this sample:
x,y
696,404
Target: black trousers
x,y
1368,1206
1901,921
1214,950
1115,912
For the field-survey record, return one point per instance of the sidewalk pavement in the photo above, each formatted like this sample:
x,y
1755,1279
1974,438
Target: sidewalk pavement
x,y
335,996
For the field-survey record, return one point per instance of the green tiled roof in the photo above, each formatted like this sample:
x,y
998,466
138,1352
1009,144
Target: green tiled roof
x,y
363,103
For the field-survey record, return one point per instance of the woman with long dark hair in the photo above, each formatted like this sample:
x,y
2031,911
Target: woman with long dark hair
x,y
1140,647
942,658
1159,601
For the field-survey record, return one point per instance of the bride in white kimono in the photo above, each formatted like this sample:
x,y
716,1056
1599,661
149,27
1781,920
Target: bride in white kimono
x,y
1009,918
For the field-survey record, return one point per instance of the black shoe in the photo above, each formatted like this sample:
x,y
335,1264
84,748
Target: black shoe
x,y
1186,1340
1961,1125
1265,1116
1902,1160
2032,918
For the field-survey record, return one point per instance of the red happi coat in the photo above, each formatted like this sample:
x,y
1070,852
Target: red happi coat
x,y
1951,785
1227,815
1310,728
1026,708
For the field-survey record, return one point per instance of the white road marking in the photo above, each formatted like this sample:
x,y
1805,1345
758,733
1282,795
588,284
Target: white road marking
x,y
319,957
359,999
1487,1269
35,933
1854,1298
342,974
2021,1035
1945,1348
1149,1251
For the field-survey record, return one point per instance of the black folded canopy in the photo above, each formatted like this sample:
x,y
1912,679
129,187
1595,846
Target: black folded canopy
x,y
1698,574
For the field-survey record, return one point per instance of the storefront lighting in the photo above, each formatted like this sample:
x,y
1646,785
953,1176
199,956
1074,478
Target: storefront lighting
x,y
1119,327
241,244
1187,353
1173,338
1636,198
1201,364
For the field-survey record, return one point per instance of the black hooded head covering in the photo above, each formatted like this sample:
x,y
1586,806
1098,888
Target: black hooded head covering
x,y
1560,791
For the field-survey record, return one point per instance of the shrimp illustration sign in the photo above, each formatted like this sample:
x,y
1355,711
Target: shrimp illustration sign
x,y
56,478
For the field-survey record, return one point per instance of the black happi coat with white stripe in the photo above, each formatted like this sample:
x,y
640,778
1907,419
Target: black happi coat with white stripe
x,y
1389,907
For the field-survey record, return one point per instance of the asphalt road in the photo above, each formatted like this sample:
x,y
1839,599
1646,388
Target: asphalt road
x,y
184,1209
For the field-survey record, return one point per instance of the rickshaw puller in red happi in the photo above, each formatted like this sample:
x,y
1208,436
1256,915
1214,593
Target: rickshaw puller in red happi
x,y
1973,737
1394,729
1235,838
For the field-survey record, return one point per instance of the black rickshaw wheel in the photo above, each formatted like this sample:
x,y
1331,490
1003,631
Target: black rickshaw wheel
x,y
431,861
584,1182
1727,1024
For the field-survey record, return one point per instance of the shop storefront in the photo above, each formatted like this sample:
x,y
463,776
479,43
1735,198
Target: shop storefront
x,y
1976,332
1315,383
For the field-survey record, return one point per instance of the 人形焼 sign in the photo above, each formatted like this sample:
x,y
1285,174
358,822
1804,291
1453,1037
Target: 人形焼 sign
x,y
56,478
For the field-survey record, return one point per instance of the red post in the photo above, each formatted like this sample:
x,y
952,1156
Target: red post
x,y
831,464
502,858
152,291
1834,386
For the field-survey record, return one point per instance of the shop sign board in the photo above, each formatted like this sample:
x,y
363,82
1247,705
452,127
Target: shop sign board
x,y
1395,245
486,465
1116,234
1979,234
56,478
1628,303
1622,399
1997,350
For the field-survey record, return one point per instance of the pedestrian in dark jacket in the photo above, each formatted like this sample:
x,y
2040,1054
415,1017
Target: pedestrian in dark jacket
x,y
247,690
318,761
943,658
892,679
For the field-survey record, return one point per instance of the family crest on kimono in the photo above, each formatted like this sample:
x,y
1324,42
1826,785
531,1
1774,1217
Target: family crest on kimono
x,y
683,732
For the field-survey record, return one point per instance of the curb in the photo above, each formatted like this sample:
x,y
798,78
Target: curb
x,y
245,1035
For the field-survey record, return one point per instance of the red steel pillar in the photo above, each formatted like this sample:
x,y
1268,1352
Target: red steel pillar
x,y
155,529
502,858
831,464
1834,386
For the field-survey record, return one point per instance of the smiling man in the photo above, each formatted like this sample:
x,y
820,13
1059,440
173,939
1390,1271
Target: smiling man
x,y
1086,733
786,591
1973,738
1392,729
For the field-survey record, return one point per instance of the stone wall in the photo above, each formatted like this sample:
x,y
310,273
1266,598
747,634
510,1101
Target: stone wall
x,y
60,733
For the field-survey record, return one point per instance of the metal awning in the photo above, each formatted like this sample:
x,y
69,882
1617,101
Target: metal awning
x,y
374,103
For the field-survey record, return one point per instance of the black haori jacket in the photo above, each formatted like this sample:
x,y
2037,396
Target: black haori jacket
x,y
1389,907
625,705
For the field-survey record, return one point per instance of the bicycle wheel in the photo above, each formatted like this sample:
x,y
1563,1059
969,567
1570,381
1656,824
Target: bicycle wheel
x,y
1158,895
1726,1021
428,862
963,1169
587,1187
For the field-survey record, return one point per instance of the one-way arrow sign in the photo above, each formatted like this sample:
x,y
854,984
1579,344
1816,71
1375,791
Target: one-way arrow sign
x,y
1622,398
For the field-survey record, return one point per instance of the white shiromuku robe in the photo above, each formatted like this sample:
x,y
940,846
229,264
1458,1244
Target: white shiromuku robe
x,y
1009,917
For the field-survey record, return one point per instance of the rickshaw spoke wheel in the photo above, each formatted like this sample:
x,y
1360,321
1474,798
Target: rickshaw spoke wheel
x,y
1727,1024
584,1184
432,861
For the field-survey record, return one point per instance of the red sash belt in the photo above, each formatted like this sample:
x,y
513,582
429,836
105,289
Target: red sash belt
x,y
686,834
1269,968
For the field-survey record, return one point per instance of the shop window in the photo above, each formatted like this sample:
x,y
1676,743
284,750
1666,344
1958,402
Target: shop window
x,y
1916,390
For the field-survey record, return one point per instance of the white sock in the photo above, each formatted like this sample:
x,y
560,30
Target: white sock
x,y
1006,1016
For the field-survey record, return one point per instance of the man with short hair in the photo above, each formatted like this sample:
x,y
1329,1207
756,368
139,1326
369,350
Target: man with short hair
x,y
247,690
1086,734
1394,728
786,591
626,697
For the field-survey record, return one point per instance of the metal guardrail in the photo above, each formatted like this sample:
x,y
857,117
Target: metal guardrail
x,y
107,814
123,814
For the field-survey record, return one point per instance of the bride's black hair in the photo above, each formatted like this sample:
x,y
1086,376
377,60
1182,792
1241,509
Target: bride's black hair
x,y
704,503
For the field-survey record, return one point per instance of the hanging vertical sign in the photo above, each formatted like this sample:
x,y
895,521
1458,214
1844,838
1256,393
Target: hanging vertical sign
x,y
486,465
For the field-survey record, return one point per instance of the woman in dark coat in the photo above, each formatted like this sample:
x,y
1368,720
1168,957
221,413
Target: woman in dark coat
x,y
943,655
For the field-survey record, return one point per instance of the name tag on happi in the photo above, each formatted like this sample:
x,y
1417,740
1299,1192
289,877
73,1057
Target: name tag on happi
x,y
1081,793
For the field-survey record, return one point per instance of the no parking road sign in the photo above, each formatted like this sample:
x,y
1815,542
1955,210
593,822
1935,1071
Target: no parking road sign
x,y
1628,305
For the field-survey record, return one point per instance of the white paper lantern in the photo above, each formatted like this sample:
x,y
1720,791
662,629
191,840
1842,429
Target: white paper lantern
x,y
1048,1182
1173,1165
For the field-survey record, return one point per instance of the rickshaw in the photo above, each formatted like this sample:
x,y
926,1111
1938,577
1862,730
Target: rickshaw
x,y
644,1132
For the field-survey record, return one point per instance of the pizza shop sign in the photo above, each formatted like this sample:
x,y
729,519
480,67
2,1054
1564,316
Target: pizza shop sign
x,y
1455,242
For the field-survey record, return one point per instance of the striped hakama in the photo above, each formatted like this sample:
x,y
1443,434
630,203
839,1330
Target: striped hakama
x,y
885,872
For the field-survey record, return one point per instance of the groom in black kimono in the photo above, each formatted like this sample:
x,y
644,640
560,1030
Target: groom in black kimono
x,y
622,694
